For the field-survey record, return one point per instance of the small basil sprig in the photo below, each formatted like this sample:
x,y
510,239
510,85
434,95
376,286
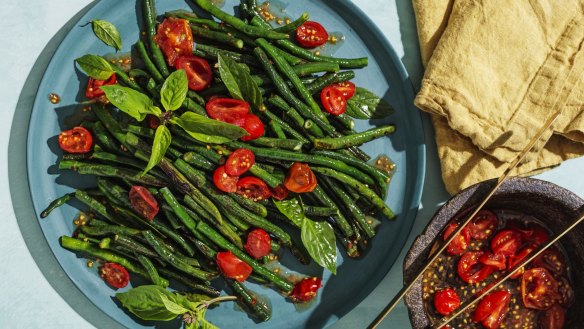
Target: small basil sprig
x,y
239,82
367,105
151,302
107,32
317,237
95,66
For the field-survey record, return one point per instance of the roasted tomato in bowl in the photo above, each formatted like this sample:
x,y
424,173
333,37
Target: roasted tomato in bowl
x,y
523,214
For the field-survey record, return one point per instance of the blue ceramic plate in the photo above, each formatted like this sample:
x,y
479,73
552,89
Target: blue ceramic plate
x,y
385,76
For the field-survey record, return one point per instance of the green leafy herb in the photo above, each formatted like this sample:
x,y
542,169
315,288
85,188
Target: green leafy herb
x,y
172,306
238,80
208,130
162,139
131,102
108,33
366,105
95,66
174,90
318,237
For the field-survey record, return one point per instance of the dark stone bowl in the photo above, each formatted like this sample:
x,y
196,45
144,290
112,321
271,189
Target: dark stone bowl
x,y
553,205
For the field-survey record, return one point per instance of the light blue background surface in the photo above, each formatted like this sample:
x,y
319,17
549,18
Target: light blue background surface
x,y
32,295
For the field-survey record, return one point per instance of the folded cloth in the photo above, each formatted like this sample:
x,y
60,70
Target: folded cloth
x,y
496,70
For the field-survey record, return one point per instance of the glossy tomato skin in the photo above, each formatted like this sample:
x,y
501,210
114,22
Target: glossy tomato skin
x,y
175,38
300,178
539,289
446,301
553,318
114,275
483,225
311,34
76,140
93,86
305,290
517,258
553,260
460,242
333,101
143,202
239,162
506,242
198,70
347,88
492,309
496,260
280,192
253,188
258,243
227,109
470,270
233,267
254,127
223,181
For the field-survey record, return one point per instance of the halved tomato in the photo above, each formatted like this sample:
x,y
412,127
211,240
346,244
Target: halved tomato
x,y
76,140
553,318
258,243
446,301
239,161
143,202
483,224
460,242
94,86
306,289
492,309
347,88
539,289
253,125
553,260
253,188
114,275
223,181
333,101
470,270
280,192
496,260
311,34
233,267
199,73
532,232
175,38
517,258
227,109
506,242
300,178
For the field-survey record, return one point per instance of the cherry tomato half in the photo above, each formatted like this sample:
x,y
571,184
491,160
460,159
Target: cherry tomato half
x,y
223,181
114,275
76,140
460,242
506,242
492,309
233,267
239,161
227,109
553,318
280,192
470,270
347,88
533,233
496,260
143,202
553,260
306,289
446,301
300,178
333,101
311,34
483,224
517,258
253,125
253,188
199,73
539,289
93,86
175,38
258,243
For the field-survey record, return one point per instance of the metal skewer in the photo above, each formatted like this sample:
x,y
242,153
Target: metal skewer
x,y
437,253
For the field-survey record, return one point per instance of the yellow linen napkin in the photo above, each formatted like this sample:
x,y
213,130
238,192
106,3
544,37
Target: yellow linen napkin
x,y
495,71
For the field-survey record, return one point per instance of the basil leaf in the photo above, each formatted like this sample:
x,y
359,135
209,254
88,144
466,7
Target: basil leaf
x,y
172,306
200,321
129,101
108,33
238,80
174,90
292,209
162,139
366,105
208,130
95,66
146,302
320,242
